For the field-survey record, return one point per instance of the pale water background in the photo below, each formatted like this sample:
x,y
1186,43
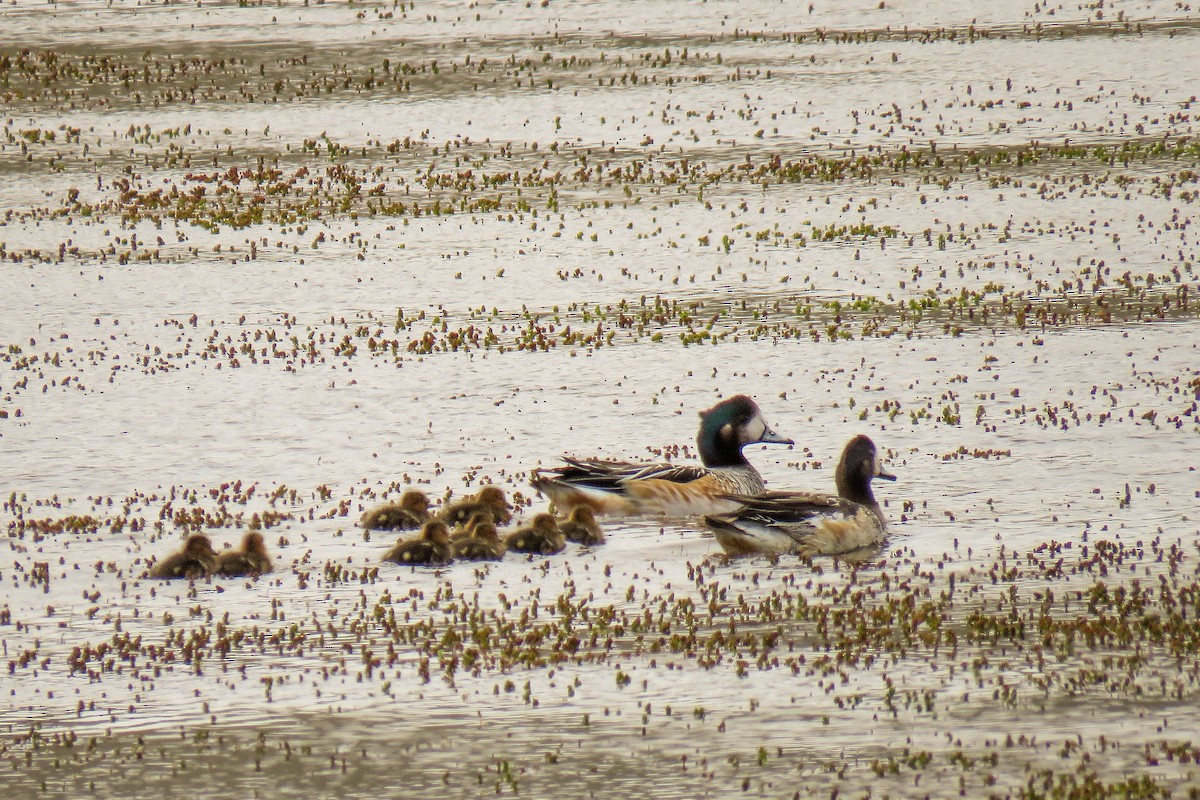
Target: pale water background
x,y
461,240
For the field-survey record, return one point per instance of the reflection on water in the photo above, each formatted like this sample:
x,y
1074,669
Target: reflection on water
x,y
289,260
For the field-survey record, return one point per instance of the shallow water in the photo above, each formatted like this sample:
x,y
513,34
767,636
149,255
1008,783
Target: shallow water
x,y
250,269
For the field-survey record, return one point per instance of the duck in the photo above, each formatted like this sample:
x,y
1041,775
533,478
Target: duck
x,y
252,559
489,500
581,527
409,514
465,530
540,536
429,548
810,523
619,487
196,560
481,543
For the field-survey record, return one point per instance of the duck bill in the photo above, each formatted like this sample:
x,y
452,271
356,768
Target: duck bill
x,y
887,476
771,437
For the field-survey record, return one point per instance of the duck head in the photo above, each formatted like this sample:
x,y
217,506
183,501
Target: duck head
x,y
860,463
253,542
479,518
414,500
583,515
436,531
492,496
199,545
545,524
485,531
729,426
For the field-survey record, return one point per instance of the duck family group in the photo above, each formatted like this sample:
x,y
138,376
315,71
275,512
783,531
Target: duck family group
x,y
725,489
475,536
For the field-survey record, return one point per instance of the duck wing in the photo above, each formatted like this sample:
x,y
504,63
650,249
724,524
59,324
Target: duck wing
x,y
672,473
624,487
613,475
784,509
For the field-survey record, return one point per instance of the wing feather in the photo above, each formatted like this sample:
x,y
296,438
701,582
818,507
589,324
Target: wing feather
x,y
613,475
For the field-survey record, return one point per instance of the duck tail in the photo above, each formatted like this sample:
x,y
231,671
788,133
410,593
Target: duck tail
x,y
733,540
565,496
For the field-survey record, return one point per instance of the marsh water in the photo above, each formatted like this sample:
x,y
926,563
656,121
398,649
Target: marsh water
x,y
273,264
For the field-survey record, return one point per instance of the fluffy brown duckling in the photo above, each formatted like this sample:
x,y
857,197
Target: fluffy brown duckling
x,y
489,500
431,547
409,514
582,527
252,559
196,560
482,543
539,536
463,532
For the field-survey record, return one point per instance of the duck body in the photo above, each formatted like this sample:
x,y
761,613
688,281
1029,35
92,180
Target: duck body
x,y
619,487
810,523
409,514
481,543
196,560
430,548
540,537
582,527
252,559
466,530
800,523
489,502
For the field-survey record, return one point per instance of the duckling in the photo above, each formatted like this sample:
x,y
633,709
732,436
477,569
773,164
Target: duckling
x,y
431,547
252,559
409,514
482,543
540,536
619,487
582,527
489,500
464,531
808,523
196,560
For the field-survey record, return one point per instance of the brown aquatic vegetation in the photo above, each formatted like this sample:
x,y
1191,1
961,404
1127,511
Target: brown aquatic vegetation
x,y
851,629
